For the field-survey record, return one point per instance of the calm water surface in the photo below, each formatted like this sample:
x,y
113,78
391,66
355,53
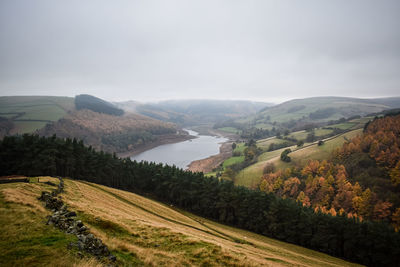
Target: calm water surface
x,y
182,153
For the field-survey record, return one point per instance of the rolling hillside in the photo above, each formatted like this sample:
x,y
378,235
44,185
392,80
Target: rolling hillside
x,y
95,121
139,231
319,109
270,149
252,175
26,114
195,112
112,133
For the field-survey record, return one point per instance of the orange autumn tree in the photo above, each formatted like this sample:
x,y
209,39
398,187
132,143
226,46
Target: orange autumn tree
x,y
372,191
381,141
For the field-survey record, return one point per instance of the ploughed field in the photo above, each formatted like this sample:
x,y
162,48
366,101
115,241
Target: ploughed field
x,y
137,230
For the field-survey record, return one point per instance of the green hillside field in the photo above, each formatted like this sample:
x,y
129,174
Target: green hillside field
x,y
251,176
318,109
30,113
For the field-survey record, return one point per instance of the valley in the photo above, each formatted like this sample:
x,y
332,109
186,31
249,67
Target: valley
x,y
255,180
200,133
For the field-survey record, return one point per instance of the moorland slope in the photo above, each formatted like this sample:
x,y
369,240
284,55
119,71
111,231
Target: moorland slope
x,y
139,231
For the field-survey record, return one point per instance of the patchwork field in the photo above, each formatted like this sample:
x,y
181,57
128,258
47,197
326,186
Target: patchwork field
x,y
251,176
30,113
317,109
139,231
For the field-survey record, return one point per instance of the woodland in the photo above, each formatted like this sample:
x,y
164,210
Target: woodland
x,y
362,180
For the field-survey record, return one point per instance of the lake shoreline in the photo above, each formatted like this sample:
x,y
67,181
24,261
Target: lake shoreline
x,y
208,164
168,139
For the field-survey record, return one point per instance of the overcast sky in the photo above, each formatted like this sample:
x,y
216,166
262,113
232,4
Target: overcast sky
x,y
151,50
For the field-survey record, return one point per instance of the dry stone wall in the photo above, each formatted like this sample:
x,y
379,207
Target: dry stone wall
x,y
66,221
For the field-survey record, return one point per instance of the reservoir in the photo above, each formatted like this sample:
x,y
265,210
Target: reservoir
x,y
182,153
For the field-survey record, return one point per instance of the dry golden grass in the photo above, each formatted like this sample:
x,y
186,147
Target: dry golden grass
x,y
139,231
22,195
25,239
159,235
87,263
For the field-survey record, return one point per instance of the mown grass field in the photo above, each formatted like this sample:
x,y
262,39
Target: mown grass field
x,y
265,143
302,135
229,130
240,147
232,160
139,231
30,113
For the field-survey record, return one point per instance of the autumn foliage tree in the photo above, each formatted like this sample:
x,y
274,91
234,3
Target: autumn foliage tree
x,y
363,180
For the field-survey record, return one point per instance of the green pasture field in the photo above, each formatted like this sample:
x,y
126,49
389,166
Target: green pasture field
x,y
251,176
22,127
232,160
30,113
265,143
240,147
229,130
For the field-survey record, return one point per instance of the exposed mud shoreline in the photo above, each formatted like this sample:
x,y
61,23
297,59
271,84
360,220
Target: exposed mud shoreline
x,y
225,151
208,164
203,165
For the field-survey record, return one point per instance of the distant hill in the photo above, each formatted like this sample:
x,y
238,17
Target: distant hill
x,y
96,104
26,114
317,110
95,121
195,112
325,108
111,133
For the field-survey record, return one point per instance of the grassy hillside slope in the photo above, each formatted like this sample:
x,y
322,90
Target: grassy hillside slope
x,y
137,230
48,115
110,133
29,113
319,109
195,112
251,176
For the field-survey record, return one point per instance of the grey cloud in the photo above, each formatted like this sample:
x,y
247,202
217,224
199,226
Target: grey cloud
x,y
148,50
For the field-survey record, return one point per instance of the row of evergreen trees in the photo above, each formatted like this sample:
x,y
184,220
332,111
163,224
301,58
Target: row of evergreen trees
x,y
369,243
